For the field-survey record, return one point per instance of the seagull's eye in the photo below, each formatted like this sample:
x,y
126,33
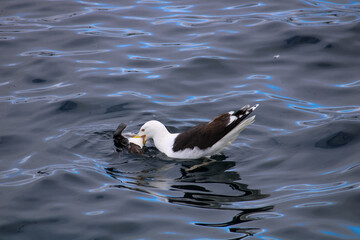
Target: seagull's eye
x,y
142,129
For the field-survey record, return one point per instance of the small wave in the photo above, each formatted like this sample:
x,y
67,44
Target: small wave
x,y
350,85
54,53
304,191
320,13
205,99
119,71
18,177
110,32
177,8
47,98
247,5
44,89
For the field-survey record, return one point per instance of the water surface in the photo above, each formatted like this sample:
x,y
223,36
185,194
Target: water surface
x,y
71,71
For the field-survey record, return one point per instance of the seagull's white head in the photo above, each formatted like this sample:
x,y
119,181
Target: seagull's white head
x,y
150,130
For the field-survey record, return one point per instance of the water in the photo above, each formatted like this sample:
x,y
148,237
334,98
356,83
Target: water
x,y
71,71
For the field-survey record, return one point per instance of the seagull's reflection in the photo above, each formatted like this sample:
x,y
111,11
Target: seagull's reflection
x,y
204,183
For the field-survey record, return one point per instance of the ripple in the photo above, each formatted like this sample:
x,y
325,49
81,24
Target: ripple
x,y
119,71
94,213
313,204
186,20
90,61
47,98
316,15
344,169
95,30
54,53
153,76
177,8
205,99
259,77
16,24
4,83
355,230
182,46
5,38
247,5
131,93
208,57
26,158
62,17
8,173
311,187
350,85
266,215
23,177
141,58
328,113
44,89
152,2
303,191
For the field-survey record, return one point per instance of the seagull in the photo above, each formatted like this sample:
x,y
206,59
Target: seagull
x,y
203,140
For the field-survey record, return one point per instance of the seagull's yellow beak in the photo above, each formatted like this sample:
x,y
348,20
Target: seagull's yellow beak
x,y
143,137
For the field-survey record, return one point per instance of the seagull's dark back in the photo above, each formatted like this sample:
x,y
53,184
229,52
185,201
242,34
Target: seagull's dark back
x,y
206,135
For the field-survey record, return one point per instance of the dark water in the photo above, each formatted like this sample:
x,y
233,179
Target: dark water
x,y
71,71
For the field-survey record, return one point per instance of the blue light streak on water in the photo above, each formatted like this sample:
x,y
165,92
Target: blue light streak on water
x,y
267,238
240,86
205,98
185,20
273,87
206,56
152,199
87,69
124,45
178,8
347,85
122,70
172,44
94,213
355,229
213,98
194,48
164,96
92,3
259,235
133,93
201,34
153,76
90,61
228,31
134,57
337,235
153,1
330,5
313,204
248,5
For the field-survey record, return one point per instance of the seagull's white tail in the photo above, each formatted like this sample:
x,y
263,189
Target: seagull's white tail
x,y
239,128
232,135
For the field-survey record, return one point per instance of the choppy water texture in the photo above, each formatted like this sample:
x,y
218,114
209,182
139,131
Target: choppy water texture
x,y
71,71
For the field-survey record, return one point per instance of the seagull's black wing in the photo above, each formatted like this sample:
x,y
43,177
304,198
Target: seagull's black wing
x,y
206,135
